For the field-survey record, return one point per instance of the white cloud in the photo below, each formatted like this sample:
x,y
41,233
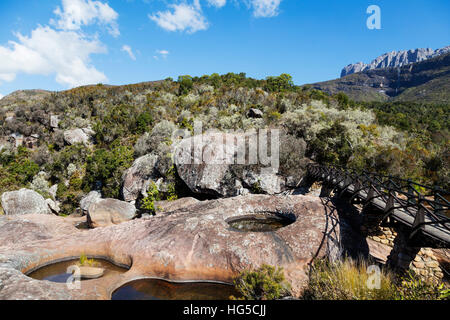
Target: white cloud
x,y
64,51
128,50
217,3
163,53
47,51
265,8
77,13
183,17
1,96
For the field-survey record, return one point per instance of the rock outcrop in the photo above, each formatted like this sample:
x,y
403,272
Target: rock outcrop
x,y
54,121
169,206
24,201
53,206
21,229
416,82
107,212
138,177
89,199
90,272
265,182
255,113
75,136
195,243
209,165
395,59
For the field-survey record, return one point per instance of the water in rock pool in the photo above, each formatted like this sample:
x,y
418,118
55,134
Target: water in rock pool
x,y
259,223
162,290
57,272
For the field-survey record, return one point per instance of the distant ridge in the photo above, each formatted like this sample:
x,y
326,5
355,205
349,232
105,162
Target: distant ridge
x,y
427,81
395,59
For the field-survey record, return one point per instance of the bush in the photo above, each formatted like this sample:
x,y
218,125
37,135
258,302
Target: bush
x,y
264,283
40,184
148,203
186,84
161,134
106,167
282,83
292,154
19,166
143,122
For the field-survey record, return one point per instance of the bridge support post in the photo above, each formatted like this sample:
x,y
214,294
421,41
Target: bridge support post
x,y
326,190
402,254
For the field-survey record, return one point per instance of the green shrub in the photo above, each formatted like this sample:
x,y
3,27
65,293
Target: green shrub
x,y
279,84
148,203
107,166
332,145
84,261
21,168
143,122
264,283
186,84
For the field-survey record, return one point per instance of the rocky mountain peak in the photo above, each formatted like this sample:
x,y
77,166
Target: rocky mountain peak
x,y
395,59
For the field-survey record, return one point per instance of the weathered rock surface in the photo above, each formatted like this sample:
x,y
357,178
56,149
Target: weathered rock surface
x,y
106,212
75,136
24,201
169,206
208,165
21,229
137,178
52,191
89,199
267,182
54,121
90,272
203,163
255,113
192,244
53,206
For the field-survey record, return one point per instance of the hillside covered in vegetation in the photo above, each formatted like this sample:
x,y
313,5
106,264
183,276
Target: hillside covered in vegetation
x,y
122,123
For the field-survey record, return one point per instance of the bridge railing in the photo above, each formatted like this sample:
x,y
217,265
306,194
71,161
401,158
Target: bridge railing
x,y
427,204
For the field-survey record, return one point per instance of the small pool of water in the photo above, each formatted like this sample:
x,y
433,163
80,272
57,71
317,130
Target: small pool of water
x,y
60,271
150,289
260,223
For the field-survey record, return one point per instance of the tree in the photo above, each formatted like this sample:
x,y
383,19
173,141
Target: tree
x,y
106,167
282,83
186,84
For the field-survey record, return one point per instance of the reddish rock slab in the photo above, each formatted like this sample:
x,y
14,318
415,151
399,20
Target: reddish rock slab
x,y
191,244
169,206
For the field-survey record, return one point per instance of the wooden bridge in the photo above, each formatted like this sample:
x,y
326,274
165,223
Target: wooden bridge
x,y
424,210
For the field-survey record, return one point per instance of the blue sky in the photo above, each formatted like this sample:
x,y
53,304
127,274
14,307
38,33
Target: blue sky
x,y
58,44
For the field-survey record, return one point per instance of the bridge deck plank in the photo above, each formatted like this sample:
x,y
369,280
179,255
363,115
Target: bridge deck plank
x,y
437,232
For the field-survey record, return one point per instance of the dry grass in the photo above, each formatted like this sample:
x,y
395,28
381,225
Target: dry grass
x,y
351,280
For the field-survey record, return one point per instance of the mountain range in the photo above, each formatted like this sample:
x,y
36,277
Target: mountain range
x,y
427,81
395,59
